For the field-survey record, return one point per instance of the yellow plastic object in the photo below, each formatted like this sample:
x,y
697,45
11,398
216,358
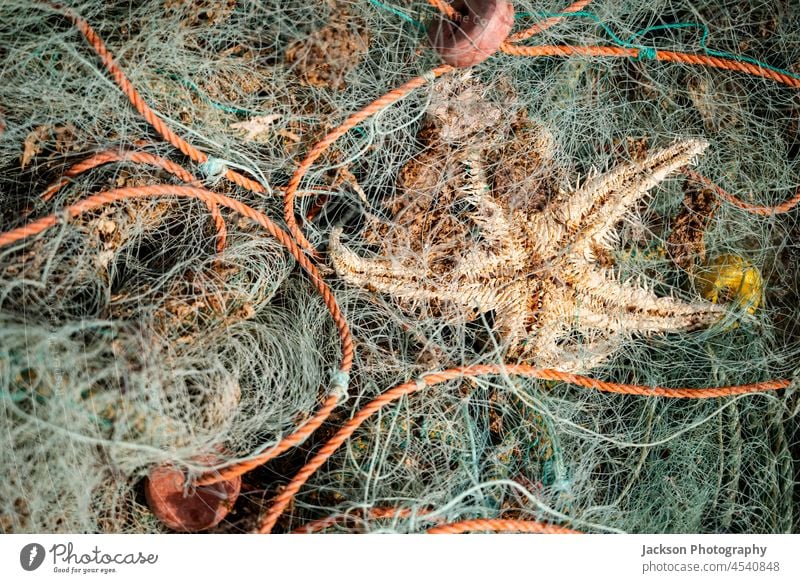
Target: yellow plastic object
x,y
731,278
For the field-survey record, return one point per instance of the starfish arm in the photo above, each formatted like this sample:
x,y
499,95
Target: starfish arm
x,y
607,304
499,251
513,312
588,216
378,273
553,322
550,346
543,348
577,359
459,298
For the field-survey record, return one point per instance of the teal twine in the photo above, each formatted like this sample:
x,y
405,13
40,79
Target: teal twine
x,y
646,53
397,12
712,52
17,397
51,60
548,473
192,86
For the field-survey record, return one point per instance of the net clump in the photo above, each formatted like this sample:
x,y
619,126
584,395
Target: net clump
x,y
127,342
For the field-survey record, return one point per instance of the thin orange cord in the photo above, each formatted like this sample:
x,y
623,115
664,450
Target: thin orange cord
x,y
140,158
351,122
478,524
784,207
501,525
283,499
300,435
376,513
139,103
545,24
208,197
444,8
635,53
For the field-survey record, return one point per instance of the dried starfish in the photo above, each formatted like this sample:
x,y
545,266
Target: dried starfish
x,y
467,251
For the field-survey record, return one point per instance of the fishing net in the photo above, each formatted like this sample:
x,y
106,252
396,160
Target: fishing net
x,y
127,341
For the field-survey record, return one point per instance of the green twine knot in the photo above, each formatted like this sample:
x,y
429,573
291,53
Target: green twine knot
x,y
213,169
647,54
340,381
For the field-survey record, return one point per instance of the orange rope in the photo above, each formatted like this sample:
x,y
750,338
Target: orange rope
x,y
444,8
501,525
321,524
545,24
634,53
208,197
283,499
377,513
139,103
119,194
115,156
351,122
484,524
200,157
597,51
284,445
140,158
784,207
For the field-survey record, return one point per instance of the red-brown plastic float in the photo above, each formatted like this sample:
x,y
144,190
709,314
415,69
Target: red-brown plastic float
x,y
474,34
189,509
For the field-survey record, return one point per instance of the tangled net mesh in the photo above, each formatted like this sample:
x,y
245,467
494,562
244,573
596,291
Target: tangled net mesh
x,y
127,342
